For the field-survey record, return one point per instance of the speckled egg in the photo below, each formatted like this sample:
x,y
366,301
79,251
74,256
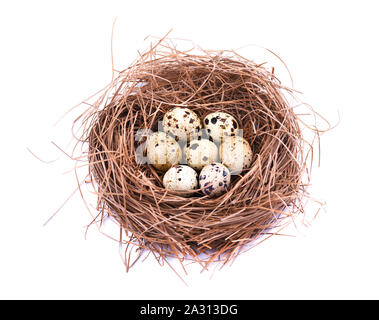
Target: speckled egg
x,y
214,179
236,154
220,125
200,153
180,178
163,151
182,123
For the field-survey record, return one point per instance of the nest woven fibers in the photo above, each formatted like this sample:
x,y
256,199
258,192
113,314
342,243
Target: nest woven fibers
x,y
259,200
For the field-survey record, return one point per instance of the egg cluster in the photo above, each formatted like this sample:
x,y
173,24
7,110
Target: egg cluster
x,y
216,156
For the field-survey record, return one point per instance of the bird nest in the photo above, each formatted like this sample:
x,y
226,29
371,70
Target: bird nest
x,y
197,227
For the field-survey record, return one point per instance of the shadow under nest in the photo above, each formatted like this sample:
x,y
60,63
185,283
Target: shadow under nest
x,y
260,199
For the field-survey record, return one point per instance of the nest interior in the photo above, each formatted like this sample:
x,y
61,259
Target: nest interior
x,y
258,200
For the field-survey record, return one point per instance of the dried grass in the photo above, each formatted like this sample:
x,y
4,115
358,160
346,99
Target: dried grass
x,y
260,200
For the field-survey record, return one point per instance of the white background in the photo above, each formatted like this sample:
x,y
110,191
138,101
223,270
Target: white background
x,y
55,54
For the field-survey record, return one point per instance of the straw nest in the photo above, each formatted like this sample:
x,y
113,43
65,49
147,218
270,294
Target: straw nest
x,y
199,228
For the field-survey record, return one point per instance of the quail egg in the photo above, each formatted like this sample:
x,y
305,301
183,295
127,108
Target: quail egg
x,y
214,179
199,153
182,123
236,154
163,151
220,125
180,178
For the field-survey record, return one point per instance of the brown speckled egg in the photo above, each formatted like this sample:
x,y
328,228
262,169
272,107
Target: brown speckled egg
x,y
236,154
163,151
182,123
180,178
199,153
214,179
220,125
